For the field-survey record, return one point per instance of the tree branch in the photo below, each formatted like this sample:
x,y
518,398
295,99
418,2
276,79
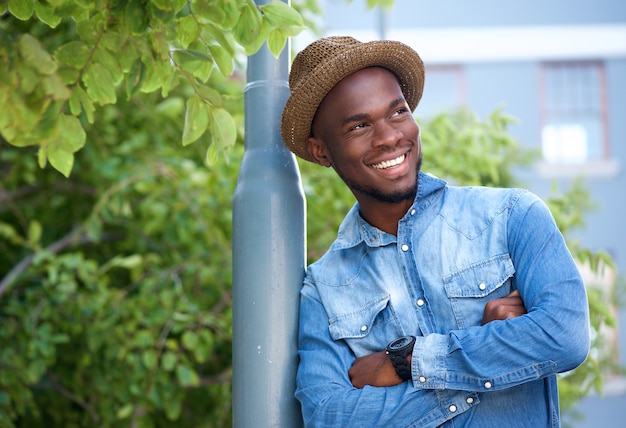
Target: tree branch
x,y
72,397
75,237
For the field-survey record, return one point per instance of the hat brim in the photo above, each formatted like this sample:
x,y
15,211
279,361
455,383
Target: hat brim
x,y
306,97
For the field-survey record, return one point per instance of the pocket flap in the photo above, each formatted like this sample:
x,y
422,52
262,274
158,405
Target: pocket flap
x,y
480,279
357,322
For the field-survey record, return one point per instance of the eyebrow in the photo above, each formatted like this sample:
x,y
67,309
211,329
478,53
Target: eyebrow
x,y
361,116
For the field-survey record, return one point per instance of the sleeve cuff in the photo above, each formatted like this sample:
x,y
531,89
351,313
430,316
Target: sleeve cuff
x,y
429,361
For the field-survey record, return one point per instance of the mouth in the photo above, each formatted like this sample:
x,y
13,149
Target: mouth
x,y
389,163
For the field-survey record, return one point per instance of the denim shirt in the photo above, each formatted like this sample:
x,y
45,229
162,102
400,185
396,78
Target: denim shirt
x,y
456,249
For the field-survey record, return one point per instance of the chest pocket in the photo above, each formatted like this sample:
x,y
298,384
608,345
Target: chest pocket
x,y
368,328
471,288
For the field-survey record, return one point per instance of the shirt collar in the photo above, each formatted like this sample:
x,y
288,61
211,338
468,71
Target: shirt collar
x,y
354,229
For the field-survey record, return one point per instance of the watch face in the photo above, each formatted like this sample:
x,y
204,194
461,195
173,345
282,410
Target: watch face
x,y
401,342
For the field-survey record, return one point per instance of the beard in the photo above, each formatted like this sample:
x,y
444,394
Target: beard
x,y
394,197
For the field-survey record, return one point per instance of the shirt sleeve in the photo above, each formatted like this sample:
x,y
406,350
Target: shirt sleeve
x,y
329,400
552,337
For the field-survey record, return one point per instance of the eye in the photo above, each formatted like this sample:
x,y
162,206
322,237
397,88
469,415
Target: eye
x,y
400,111
358,126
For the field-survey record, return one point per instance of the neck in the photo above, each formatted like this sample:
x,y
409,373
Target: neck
x,y
384,216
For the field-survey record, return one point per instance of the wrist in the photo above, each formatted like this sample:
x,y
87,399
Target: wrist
x,y
400,353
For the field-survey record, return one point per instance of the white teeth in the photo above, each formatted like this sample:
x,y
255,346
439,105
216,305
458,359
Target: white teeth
x,y
389,163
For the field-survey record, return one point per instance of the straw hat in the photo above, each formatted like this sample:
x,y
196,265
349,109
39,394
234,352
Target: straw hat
x,y
325,62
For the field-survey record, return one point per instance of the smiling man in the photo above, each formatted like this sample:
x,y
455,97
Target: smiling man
x,y
436,305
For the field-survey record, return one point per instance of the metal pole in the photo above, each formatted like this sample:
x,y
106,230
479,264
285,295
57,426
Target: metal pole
x,y
268,256
383,22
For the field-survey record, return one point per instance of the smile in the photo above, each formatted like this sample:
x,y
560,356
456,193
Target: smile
x,y
389,163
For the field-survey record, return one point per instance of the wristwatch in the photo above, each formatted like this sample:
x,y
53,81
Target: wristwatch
x,y
398,350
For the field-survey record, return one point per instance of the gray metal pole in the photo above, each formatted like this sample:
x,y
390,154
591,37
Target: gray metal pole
x,y
268,256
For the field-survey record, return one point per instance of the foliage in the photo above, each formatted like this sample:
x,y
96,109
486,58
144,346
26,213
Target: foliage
x,y
116,306
63,59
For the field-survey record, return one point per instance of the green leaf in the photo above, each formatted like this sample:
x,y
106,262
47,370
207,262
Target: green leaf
x,y
149,358
46,14
35,55
276,41
223,128
212,155
136,17
53,86
22,9
163,4
209,10
222,38
209,95
74,54
61,160
173,409
34,232
223,59
199,64
134,78
196,120
91,29
248,27
169,360
86,103
125,411
163,15
100,84
187,376
189,340
187,30
108,60
279,14
70,138
8,232
129,262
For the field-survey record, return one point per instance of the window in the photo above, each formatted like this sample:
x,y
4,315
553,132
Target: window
x,y
574,127
444,90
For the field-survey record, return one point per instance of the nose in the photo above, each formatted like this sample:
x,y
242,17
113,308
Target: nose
x,y
386,134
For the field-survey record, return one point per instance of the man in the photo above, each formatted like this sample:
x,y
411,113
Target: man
x,y
413,317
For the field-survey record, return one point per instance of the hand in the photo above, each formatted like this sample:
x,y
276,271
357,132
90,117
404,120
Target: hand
x,y
509,306
373,369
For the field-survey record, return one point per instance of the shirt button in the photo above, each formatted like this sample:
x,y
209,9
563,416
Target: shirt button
x,y
413,211
420,302
405,247
488,385
364,328
452,408
482,286
422,379
469,400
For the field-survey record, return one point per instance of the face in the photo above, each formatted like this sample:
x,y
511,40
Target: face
x,y
365,130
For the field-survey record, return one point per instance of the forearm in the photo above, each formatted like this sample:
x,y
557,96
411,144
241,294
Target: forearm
x,y
330,400
552,337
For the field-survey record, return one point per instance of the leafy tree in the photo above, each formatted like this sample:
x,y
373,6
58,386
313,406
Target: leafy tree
x,y
115,282
65,58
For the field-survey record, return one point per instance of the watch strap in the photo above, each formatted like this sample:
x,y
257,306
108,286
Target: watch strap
x,y
401,365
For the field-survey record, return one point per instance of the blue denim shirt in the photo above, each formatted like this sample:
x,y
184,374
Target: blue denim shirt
x,y
456,249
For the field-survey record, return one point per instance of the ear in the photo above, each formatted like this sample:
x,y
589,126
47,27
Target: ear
x,y
317,150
